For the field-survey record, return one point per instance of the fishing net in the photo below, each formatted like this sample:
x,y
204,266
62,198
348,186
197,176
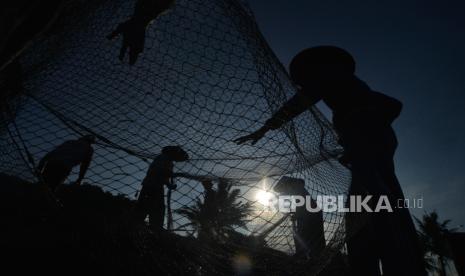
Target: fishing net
x,y
205,78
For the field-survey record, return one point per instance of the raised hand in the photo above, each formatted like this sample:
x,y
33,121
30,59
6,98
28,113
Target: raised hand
x,y
133,32
254,137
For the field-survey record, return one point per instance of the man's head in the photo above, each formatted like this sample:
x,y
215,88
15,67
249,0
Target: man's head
x,y
176,153
321,64
207,184
88,138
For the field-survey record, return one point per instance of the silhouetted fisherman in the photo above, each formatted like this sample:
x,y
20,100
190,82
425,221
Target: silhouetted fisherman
x,y
210,209
309,234
56,165
133,30
362,119
209,194
151,199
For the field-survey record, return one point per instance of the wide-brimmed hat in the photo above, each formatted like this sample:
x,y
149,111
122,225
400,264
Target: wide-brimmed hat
x,y
321,61
176,152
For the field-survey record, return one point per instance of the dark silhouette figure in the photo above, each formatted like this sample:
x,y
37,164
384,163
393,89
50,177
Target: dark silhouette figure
x,y
151,199
456,242
209,195
216,217
362,119
133,30
56,165
309,234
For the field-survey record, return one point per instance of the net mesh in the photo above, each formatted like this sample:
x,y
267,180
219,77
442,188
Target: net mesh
x,y
206,77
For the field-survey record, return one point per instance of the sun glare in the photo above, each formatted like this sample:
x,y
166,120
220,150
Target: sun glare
x,y
264,197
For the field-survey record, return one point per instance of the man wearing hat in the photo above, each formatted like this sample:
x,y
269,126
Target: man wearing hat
x,y
151,199
309,235
362,118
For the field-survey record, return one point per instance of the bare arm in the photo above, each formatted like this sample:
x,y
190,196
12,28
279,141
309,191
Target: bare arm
x,y
295,106
147,10
291,109
191,176
84,166
133,30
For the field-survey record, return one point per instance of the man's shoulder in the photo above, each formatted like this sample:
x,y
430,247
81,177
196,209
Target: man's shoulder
x,y
76,144
161,161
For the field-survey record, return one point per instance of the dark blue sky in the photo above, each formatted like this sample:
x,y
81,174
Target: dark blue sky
x,y
412,50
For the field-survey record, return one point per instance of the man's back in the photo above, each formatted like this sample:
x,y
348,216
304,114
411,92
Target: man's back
x,y
71,153
160,171
354,102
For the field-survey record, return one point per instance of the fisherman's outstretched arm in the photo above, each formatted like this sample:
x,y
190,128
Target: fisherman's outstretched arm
x,y
291,109
133,30
148,10
191,176
295,106
83,168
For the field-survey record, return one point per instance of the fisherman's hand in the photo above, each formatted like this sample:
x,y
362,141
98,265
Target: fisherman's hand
x,y
133,33
254,137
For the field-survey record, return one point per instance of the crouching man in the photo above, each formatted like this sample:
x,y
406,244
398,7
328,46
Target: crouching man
x,y
56,165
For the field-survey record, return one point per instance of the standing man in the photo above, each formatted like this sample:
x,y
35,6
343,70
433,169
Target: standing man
x,y
309,234
56,165
362,119
151,199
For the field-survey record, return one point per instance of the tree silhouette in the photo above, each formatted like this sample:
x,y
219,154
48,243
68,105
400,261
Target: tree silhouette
x,y
92,233
218,214
433,237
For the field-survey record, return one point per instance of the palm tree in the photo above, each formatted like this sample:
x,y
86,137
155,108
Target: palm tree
x,y
433,237
218,214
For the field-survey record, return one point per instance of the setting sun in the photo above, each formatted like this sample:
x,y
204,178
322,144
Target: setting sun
x,y
264,197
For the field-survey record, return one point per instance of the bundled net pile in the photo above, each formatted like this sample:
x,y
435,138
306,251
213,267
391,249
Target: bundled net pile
x,y
206,77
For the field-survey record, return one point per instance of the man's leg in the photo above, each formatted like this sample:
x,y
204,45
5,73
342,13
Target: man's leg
x,y
401,253
311,231
362,250
54,175
362,244
141,206
157,212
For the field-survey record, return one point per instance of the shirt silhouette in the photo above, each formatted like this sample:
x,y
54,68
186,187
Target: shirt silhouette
x,y
362,118
56,165
151,200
